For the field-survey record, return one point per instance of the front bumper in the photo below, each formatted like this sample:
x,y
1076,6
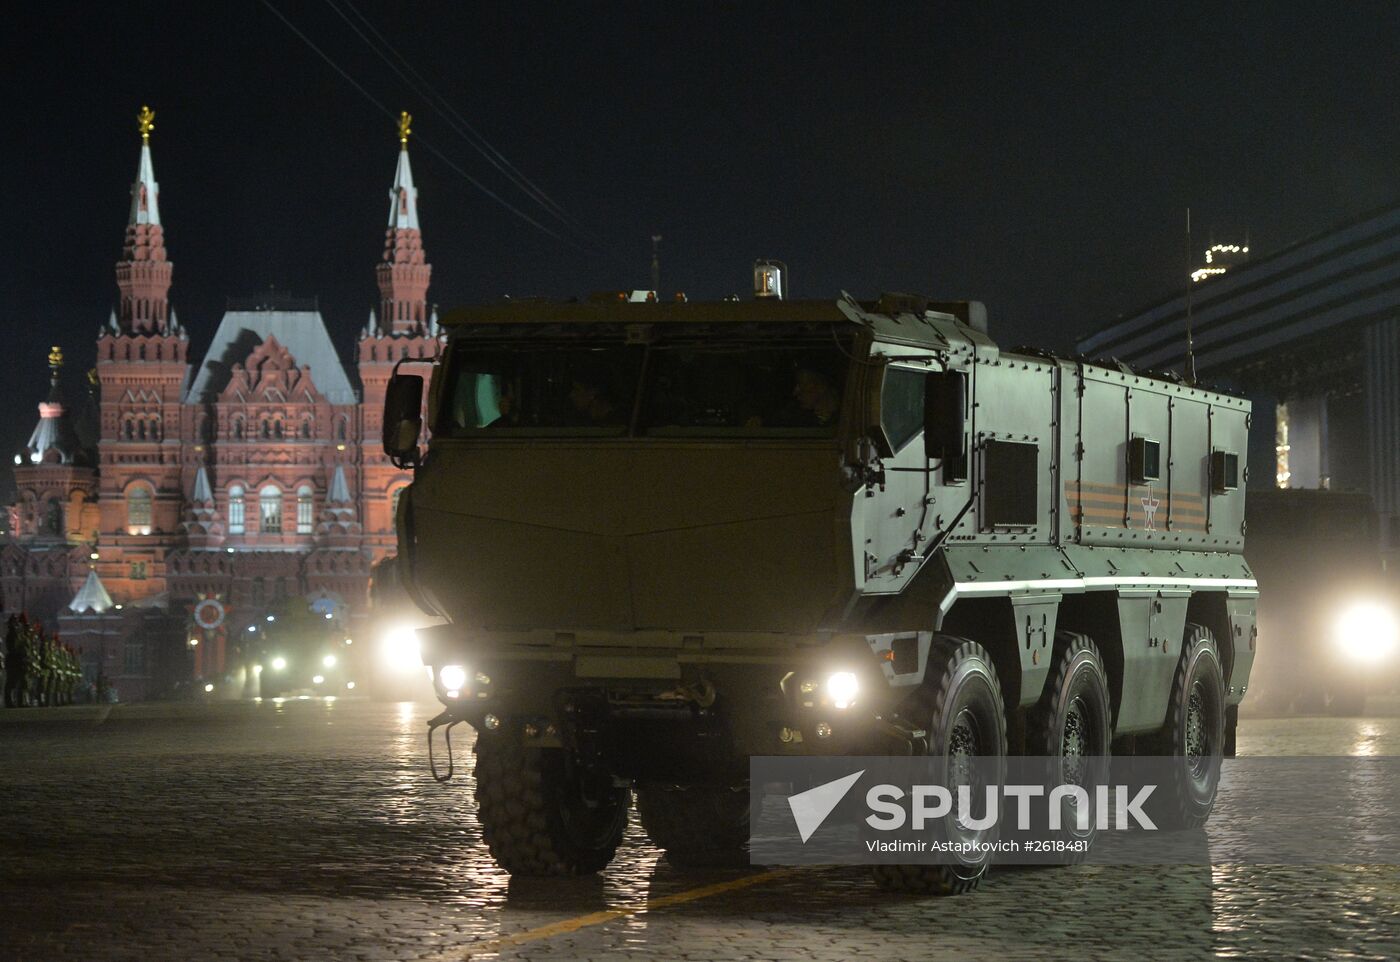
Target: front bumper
x,y
670,692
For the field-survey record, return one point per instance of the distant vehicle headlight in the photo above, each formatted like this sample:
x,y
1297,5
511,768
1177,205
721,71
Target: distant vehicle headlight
x,y
279,663
401,649
328,661
453,677
1368,632
842,688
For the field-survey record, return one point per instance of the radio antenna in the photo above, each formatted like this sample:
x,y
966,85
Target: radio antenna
x,y
1190,283
656,265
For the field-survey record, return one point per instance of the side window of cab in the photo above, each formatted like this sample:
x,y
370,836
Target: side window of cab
x,y
902,405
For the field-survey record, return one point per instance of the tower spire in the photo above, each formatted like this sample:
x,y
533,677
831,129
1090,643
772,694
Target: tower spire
x,y
144,206
143,273
403,196
53,437
404,273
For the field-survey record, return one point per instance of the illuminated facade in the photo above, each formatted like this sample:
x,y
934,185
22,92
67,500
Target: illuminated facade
x,y
252,477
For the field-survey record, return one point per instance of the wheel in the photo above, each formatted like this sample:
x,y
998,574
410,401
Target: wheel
x,y
697,827
540,814
1072,727
960,706
1193,736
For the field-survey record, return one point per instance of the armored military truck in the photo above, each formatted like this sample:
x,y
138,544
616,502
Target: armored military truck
x,y
669,536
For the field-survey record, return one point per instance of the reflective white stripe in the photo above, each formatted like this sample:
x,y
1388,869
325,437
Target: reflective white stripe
x,y
1174,582
1070,584
997,587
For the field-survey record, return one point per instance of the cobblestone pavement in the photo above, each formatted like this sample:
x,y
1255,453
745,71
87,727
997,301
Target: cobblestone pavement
x,y
311,830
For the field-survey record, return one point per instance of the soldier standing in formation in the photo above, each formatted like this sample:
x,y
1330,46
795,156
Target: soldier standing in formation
x,y
46,668
39,668
17,662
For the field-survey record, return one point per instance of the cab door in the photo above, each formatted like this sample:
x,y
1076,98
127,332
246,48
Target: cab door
x,y
893,515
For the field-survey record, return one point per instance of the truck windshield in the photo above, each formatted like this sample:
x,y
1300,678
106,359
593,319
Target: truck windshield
x,y
683,383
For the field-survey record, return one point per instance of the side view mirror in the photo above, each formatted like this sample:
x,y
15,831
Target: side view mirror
x,y
945,411
403,418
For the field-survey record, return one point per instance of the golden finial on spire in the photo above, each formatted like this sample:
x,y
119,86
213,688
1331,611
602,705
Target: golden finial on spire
x,y
405,118
146,122
55,357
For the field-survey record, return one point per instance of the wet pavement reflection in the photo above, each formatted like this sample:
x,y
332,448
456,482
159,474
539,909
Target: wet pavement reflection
x,y
311,829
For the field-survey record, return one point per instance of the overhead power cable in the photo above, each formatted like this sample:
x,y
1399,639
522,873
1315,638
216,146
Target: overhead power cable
x,y
459,124
423,141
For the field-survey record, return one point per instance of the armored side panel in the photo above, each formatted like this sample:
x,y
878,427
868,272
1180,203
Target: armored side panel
x,y
1157,464
1014,437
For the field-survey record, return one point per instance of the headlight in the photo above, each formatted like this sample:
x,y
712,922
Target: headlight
x,y
279,663
328,661
401,649
841,688
1368,632
453,677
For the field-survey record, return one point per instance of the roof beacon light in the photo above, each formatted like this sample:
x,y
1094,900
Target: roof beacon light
x,y
769,279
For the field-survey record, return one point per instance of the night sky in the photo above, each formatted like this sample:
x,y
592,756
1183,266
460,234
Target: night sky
x,y
1039,160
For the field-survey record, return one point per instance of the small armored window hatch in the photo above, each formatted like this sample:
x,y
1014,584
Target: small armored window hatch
x,y
1145,460
1224,471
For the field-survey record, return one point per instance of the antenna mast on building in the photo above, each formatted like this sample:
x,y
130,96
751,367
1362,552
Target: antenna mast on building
x,y
656,264
1190,343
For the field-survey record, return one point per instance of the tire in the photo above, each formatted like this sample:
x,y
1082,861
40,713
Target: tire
x,y
1071,727
539,815
960,706
1193,736
697,827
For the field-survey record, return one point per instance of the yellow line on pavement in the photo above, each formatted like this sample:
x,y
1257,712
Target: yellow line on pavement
x,y
610,915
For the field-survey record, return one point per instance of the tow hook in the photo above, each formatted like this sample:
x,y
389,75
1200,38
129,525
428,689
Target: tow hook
x,y
447,720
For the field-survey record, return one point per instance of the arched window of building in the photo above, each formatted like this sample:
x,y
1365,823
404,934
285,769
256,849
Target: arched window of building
x,y
270,509
304,506
394,504
138,510
53,518
155,429
277,430
128,429
340,428
235,509
141,429
306,428
266,429
238,429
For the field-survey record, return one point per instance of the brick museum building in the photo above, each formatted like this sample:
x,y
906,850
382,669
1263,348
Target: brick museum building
x,y
177,494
